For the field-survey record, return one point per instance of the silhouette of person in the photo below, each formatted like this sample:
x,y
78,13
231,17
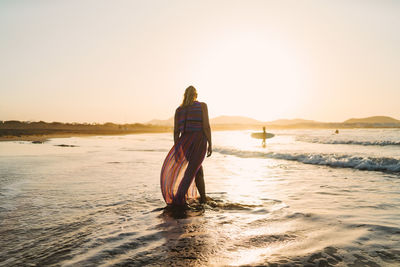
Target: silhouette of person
x,y
264,137
182,171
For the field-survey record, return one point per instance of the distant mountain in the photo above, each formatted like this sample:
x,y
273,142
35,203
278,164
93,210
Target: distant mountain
x,y
216,120
234,120
167,122
375,119
290,122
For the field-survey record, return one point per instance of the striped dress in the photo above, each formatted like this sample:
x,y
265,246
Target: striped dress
x,y
185,158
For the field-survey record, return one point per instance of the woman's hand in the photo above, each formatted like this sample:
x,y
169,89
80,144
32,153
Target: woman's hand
x,y
209,150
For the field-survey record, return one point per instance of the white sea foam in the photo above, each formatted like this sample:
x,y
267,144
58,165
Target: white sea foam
x,y
332,160
74,208
325,140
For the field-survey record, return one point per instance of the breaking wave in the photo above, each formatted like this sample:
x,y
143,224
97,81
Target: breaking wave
x,y
323,140
333,160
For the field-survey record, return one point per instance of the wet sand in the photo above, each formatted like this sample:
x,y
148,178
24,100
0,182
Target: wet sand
x,y
45,137
97,202
40,138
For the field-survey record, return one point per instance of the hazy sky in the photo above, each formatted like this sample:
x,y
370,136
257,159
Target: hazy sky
x,y
130,61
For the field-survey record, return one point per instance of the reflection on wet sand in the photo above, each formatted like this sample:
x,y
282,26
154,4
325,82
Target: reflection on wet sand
x,y
188,239
221,233
71,207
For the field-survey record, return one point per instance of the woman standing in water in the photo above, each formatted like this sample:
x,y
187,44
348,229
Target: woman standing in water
x,y
182,173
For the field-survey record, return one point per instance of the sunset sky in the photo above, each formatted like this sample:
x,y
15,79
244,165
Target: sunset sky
x,y
130,61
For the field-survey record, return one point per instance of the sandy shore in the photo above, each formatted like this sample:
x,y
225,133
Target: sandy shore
x,y
36,138
44,137
100,202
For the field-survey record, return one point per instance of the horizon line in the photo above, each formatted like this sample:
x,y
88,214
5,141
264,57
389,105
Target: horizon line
x,y
148,122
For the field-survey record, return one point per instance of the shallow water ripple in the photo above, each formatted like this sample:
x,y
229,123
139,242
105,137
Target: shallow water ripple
x,y
99,204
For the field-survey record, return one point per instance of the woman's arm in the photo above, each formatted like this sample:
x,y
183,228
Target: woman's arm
x,y
206,127
176,128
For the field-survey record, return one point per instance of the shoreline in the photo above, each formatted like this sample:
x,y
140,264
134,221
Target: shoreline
x,y
40,138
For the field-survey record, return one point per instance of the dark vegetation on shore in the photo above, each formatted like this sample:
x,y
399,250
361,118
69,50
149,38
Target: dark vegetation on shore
x,y
14,128
21,128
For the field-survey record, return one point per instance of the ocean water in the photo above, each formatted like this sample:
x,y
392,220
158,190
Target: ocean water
x,y
308,198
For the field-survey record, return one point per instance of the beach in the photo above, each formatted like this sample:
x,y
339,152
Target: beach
x,y
301,101
41,131
309,198
42,137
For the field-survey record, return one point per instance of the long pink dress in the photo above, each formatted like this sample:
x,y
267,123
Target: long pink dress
x,y
185,157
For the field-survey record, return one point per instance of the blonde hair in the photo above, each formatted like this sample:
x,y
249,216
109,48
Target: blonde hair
x,y
189,97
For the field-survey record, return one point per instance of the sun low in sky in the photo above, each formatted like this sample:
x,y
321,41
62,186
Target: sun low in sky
x,y
130,61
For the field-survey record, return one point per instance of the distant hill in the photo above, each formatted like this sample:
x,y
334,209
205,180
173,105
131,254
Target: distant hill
x,y
240,122
290,122
216,120
234,120
375,119
167,122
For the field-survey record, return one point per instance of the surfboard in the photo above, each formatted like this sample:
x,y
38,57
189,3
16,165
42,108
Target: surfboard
x,y
262,135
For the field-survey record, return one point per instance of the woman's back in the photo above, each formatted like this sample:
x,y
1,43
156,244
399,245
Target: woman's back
x,y
190,118
182,173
